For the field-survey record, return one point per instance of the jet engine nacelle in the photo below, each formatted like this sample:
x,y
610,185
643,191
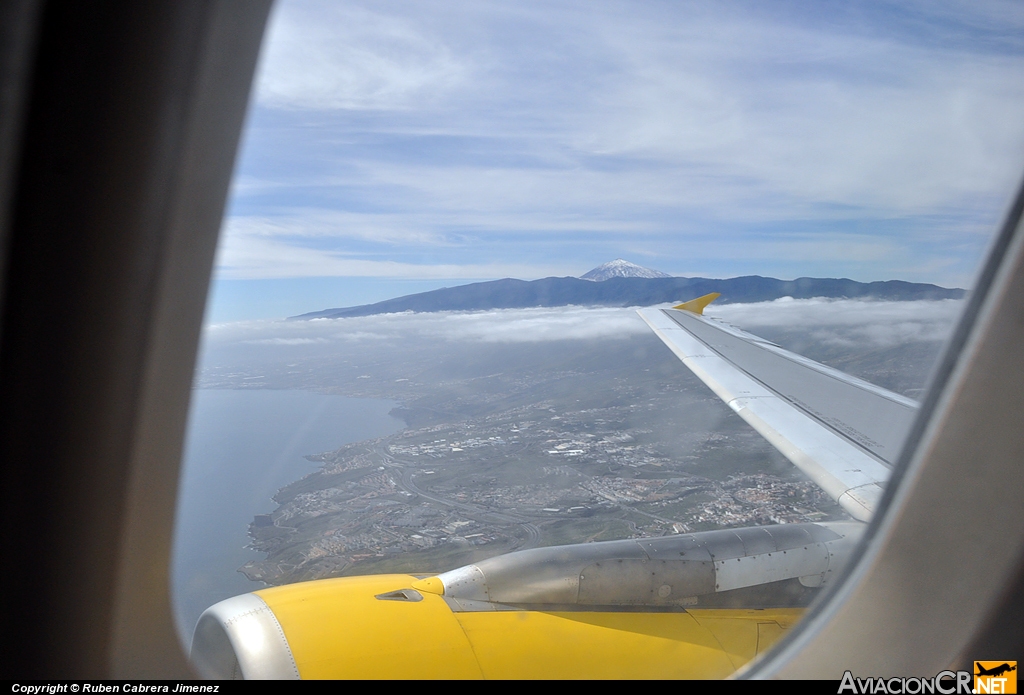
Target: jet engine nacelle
x,y
689,605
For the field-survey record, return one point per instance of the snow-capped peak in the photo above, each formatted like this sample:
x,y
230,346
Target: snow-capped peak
x,y
621,269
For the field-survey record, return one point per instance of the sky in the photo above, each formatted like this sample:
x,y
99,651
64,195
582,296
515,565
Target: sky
x,y
395,147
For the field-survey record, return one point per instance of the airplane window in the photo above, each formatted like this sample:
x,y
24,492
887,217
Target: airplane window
x,y
424,378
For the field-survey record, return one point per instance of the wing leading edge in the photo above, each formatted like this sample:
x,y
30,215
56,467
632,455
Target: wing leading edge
x,y
843,432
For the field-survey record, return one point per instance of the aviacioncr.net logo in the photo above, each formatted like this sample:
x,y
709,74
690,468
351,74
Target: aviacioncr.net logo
x,y
995,677
944,683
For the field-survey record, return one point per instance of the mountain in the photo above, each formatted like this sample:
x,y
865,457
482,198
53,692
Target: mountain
x,y
621,269
633,291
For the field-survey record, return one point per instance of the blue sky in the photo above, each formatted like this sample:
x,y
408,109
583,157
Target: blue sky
x,y
394,147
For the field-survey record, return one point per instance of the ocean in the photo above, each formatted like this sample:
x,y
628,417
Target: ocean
x,y
242,446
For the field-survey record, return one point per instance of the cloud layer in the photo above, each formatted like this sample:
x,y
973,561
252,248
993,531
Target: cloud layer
x,y
878,324
848,321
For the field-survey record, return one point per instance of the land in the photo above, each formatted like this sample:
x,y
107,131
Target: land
x,y
513,446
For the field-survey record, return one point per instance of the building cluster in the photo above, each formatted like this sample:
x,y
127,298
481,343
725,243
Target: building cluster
x,y
505,483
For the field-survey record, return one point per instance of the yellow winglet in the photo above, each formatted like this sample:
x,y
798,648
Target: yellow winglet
x,y
697,305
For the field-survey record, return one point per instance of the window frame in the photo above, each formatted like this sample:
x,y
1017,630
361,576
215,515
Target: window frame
x,y
92,598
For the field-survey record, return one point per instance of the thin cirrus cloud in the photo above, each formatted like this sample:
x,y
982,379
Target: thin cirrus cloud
x,y
328,55
269,257
414,139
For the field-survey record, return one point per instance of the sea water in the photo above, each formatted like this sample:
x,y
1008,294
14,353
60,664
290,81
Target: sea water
x,y
242,446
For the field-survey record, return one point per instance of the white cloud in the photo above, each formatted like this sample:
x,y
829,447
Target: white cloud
x,y
848,321
242,256
331,55
698,129
285,341
539,325
742,104
813,113
871,323
318,223
496,326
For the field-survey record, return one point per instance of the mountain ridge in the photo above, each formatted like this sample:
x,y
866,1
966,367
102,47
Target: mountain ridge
x,y
510,293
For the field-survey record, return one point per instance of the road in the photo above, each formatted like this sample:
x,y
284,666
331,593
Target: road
x,y
406,481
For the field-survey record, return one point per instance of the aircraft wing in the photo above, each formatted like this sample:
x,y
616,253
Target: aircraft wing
x,y
843,432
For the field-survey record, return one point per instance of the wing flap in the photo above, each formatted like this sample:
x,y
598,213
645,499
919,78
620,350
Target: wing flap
x,y
844,433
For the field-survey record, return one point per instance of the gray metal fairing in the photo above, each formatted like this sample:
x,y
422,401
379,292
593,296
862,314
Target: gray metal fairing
x,y
654,572
240,638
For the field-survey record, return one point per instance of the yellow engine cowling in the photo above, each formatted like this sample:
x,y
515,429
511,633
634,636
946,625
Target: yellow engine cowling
x,y
683,606
380,627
